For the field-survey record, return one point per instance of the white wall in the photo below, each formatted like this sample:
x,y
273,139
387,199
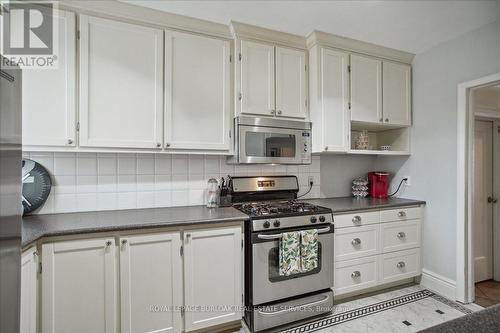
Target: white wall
x,y
433,164
90,181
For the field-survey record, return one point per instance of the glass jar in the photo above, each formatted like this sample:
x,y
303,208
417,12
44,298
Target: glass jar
x,y
212,193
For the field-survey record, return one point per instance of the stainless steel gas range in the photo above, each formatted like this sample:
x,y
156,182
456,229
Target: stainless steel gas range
x,y
272,299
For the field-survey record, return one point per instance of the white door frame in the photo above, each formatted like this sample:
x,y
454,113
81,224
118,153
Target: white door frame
x,y
465,186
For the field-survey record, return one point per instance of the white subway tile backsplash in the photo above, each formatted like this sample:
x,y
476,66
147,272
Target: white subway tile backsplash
x,y
104,181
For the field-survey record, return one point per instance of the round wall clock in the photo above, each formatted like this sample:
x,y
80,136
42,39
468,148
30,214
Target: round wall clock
x,y
36,185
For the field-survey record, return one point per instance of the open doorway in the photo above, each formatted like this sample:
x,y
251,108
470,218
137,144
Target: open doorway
x,y
486,147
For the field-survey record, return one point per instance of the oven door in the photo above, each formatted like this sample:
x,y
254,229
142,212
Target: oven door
x,y
259,144
268,285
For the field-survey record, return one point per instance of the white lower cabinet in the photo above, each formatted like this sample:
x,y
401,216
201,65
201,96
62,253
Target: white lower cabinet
x,y
375,251
79,286
151,283
162,277
212,277
29,290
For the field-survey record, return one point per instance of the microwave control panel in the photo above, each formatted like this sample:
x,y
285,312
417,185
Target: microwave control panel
x,y
305,147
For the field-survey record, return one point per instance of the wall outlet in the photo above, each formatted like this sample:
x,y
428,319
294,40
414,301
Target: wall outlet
x,y
408,180
310,180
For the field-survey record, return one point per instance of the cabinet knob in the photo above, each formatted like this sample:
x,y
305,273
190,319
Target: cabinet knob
x,y
158,144
386,120
355,274
356,219
124,241
108,243
356,242
401,235
381,120
70,141
401,264
326,148
279,112
167,144
401,214
273,111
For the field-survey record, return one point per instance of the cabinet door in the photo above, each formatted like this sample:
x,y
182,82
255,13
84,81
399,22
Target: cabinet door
x,y
335,100
290,83
151,283
396,93
212,277
29,291
257,79
197,92
121,84
366,89
49,112
79,286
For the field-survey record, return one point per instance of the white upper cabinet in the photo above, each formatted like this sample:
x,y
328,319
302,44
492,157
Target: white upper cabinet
x,y
257,96
79,286
396,93
329,83
151,275
198,92
212,276
366,89
291,83
48,95
121,84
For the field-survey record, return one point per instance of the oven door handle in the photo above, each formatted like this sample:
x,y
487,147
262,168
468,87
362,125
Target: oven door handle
x,y
278,236
272,313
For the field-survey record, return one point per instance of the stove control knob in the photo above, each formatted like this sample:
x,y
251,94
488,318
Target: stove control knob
x,y
276,223
313,219
322,218
266,224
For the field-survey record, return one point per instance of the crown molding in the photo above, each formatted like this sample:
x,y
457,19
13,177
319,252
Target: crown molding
x,y
353,45
252,32
146,16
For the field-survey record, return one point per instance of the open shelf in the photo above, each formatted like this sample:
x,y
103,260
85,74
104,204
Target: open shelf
x,y
397,138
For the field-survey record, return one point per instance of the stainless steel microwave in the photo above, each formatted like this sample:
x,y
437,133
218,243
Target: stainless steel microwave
x,y
271,141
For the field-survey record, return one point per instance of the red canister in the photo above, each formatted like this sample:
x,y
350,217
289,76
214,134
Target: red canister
x,y
378,184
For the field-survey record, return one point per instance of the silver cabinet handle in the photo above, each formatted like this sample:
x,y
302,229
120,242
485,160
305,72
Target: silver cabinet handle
x,y
401,214
279,112
158,144
356,242
278,236
167,144
356,219
355,274
124,241
401,235
70,141
401,264
108,243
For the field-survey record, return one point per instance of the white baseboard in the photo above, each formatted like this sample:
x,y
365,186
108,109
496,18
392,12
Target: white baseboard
x,y
438,284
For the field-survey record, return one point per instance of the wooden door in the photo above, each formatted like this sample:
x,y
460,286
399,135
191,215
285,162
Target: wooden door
x,y
257,95
121,84
291,83
151,283
29,291
335,125
49,102
396,96
198,92
212,277
483,210
366,89
79,286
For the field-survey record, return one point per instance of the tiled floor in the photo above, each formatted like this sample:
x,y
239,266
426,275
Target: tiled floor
x,y
411,316
487,293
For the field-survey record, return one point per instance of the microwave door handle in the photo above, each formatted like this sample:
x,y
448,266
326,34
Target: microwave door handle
x,y
278,236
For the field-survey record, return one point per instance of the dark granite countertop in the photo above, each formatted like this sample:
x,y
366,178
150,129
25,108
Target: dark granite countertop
x,y
37,226
351,204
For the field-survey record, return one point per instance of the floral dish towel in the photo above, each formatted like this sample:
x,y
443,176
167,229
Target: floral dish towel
x,y
308,250
289,253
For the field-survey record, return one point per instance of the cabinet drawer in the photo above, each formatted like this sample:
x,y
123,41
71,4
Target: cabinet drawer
x,y
356,219
400,265
357,242
355,274
397,236
401,214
